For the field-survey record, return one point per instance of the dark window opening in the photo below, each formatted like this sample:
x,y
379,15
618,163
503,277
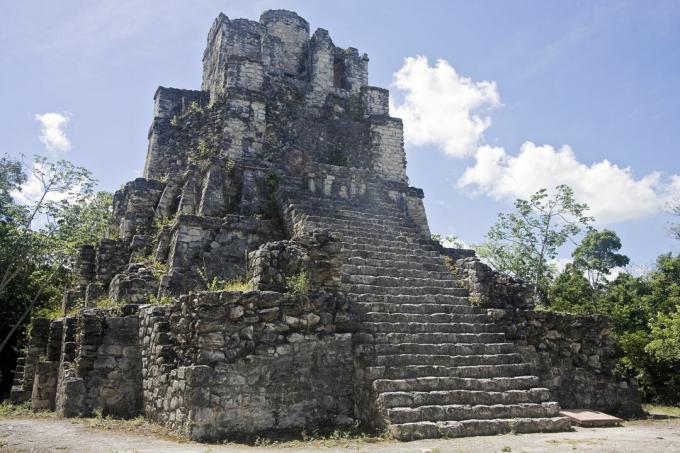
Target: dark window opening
x,y
338,71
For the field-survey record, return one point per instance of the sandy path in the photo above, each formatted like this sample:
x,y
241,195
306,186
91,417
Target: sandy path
x,y
49,435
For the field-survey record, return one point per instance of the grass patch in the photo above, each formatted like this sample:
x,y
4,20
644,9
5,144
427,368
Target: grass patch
x,y
8,409
350,436
163,300
217,284
673,411
106,303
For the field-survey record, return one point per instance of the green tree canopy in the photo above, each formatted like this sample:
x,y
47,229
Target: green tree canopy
x,y
39,238
522,243
597,255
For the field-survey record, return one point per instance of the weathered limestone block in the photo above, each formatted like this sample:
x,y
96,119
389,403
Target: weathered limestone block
x,y
574,356
70,395
134,206
490,289
202,249
243,72
136,285
105,373
213,202
228,39
37,347
112,258
313,387
188,203
85,265
167,205
387,136
274,262
375,101
314,258
162,156
17,393
45,386
293,31
354,69
140,247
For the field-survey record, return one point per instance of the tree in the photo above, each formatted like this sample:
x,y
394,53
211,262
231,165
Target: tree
x,y
571,292
59,184
597,255
11,179
523,242
665,337
675,228
39,238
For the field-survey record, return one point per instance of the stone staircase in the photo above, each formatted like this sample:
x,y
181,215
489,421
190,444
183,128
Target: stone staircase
x,y
431,365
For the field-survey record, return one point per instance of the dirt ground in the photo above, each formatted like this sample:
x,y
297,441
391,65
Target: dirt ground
x,y
51,434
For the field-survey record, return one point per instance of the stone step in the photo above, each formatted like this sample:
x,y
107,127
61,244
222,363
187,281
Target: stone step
x,y
431,338
450,429
411,235
429,303
457,412
423,327
431,318
434,349
433,265
470,371
376,250
385,258
429,290
388,240
362,222
333,211
434,383
447,397
388,281
395,272
397,360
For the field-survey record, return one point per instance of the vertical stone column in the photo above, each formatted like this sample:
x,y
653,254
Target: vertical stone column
x,y
322,67
17,394
45,386
375,101
293,31
416,211
37,347
387,147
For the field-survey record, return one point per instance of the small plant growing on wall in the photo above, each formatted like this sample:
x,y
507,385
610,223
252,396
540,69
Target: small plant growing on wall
x,y
195,108
298,284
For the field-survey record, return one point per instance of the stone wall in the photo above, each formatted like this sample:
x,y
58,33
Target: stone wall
x,y
204,248
37,348
105,374
219,364
488,288
314,257
574,356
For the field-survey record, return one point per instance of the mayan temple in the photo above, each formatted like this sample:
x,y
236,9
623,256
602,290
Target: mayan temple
x,y
285,177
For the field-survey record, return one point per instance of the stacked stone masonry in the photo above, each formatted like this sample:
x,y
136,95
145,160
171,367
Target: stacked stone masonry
x,y
285,173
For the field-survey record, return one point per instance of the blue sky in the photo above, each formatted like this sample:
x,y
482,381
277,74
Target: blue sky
x,y
519,81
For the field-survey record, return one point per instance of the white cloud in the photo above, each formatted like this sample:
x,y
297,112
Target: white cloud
x,y
452,112
613,193
53,132
443,108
